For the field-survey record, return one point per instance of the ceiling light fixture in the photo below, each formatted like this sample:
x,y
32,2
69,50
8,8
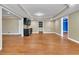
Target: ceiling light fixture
x,y
8,12
39,14
70,5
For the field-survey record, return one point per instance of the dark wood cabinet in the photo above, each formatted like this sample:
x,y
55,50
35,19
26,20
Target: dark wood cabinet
x,y
27,32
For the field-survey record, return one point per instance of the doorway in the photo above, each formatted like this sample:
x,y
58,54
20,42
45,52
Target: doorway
x,y
64,27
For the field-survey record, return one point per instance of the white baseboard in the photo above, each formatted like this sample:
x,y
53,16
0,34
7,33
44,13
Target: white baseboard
x,y
0,49
35,32
43,32
68,38
58,34
48,32
10,33
73,40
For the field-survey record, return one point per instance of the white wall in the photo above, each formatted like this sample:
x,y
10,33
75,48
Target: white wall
x,y
21,25
57,26
74,26
47,26
10,25
34,25
0,28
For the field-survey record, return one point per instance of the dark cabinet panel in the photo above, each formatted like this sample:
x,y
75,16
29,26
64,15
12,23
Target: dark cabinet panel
x,y
27,32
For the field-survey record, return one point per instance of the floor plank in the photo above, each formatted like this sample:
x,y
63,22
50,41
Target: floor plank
x,y
38,44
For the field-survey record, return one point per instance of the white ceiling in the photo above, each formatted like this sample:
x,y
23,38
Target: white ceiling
x,y
68,11
6,13
49,10
28,10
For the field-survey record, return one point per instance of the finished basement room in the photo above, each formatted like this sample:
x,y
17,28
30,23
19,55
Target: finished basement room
x,y
39,29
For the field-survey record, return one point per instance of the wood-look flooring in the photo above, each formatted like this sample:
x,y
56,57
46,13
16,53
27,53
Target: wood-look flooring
x,y
38,44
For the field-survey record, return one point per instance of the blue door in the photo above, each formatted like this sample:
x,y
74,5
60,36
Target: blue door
x,y
65,25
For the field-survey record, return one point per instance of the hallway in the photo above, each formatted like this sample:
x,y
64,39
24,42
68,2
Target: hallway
x,y
40,44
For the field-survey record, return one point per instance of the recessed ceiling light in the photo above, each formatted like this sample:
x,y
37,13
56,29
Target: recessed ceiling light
x,y
70,5
8,12
39,14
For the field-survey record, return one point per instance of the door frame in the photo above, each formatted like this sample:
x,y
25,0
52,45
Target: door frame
x,y
62,25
